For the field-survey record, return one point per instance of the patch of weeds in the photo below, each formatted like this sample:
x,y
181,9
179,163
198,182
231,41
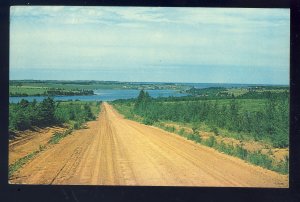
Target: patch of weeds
x,y
42,147
56,137
20,162
256,157
210,142
170,129
181,132
194,137
282,166
148,121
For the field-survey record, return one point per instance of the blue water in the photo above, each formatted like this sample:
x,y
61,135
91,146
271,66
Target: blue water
x,y
110,95
104,95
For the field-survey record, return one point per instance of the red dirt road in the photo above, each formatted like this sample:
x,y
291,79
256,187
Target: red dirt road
x,y
116,151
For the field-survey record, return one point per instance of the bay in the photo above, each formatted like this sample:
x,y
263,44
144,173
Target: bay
x,y
104,95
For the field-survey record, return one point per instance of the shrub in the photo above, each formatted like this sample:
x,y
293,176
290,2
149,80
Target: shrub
x,y
283,166
241,152
181,132
211,141
77,125
260,159
194,137
148,121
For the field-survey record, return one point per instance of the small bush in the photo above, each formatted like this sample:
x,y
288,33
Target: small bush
x,y
170,129
241,152
56,137
20,162
227,149
148,121
210,142
282,166
181,132
260,159
76,125
194,137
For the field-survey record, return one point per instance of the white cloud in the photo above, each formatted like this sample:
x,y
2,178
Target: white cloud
x,y
118,37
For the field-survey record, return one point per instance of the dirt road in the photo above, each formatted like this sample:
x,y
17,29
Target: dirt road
x,y
116,151
30,141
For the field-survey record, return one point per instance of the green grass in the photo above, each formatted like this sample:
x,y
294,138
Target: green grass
x,y
22,161
44,90
57,136
126,110
237,91
255,158
29,90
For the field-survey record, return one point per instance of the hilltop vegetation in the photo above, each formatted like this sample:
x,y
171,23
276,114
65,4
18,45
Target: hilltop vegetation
x,y
256,92
24,91
266,118
24,115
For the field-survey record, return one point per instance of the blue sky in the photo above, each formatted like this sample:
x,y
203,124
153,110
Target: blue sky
x,y
205,45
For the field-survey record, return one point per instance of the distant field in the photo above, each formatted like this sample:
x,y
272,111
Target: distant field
x,y
29,90
38,87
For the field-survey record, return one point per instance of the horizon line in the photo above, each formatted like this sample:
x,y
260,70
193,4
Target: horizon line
x,y
181,82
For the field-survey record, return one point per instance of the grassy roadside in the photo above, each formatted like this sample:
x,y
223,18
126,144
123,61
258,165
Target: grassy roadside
x,y
256,157
55,139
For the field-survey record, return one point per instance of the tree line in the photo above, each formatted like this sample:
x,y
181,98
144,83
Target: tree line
x,y
271,122
25,114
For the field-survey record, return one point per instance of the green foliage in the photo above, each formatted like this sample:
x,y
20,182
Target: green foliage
x,y
210,142
142,99
24,114
31,90
20,162
194,137
282,166
181,132
261,119
148,121
256,157
211,92
264,119
56,137
46,112
215,130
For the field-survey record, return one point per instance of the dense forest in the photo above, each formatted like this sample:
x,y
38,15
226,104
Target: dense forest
x,y
25,114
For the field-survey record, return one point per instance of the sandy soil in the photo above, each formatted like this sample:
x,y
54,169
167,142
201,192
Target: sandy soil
x,y
116,151
29,141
